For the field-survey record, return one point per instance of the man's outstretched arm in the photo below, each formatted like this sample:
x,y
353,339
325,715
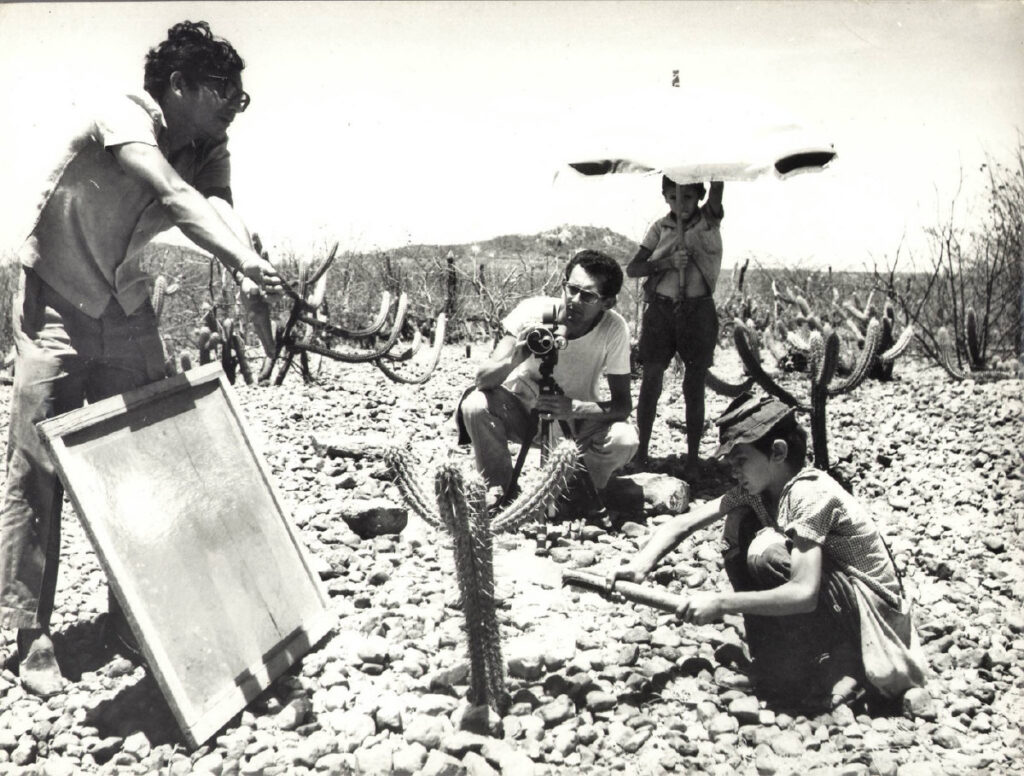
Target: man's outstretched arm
x,y
193,213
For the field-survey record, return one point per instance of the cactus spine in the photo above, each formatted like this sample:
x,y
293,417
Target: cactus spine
x,y
409,486
462,512
552,485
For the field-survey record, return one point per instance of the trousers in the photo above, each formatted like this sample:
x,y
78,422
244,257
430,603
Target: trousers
x,y
495,417
788,648
64,358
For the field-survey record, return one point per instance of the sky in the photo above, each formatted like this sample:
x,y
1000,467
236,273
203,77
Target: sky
x,y
384,124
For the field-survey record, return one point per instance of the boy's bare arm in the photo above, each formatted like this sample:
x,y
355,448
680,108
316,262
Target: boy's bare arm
x,y
639,266
714,203
797,596
666,538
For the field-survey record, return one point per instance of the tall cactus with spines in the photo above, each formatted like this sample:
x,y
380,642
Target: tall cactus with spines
x,y
157,300
159,293
947,354
462,505
824,358
974,348
462,512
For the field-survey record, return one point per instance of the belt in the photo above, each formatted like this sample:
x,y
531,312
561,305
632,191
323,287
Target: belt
x,y
662,299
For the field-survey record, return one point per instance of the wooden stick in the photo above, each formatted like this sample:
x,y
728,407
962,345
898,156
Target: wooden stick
x,y
631,591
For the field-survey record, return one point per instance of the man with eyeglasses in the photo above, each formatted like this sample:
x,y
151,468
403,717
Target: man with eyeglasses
x,y
508,383
84,325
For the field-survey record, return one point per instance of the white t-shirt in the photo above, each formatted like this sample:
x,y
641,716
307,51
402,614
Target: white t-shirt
x,y
604,350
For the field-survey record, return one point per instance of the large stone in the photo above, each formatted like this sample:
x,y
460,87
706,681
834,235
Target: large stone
x,y
745,709
440,764
917,702
352,728
354,446
559,710
375,760
407,760
647,492
426,730
370,517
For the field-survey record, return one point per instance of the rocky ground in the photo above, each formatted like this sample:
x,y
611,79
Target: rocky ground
x,y
598,686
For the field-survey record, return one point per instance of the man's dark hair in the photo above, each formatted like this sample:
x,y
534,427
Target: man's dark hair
x,y
192,50
790,432
667,184
603,267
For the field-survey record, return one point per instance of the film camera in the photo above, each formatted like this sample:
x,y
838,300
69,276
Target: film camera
x,y
548,336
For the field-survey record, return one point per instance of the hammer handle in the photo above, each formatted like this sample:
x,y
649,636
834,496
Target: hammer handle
x,y
631,591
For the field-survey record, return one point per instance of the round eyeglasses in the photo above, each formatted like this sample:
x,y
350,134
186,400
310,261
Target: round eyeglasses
x,y
228,91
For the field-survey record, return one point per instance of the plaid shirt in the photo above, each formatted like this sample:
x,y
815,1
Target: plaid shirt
x,y
815,507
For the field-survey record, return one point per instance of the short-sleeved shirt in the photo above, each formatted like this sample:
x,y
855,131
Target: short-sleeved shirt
x,y
815,507
604,350
702,238
89,209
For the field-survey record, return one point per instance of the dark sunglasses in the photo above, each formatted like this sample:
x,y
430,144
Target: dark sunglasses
x,y
586,297
238,99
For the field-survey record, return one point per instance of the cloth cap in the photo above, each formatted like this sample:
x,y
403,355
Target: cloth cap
x,y
747,419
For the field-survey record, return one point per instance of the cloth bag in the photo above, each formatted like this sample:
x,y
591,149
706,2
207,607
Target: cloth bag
x,y
893,658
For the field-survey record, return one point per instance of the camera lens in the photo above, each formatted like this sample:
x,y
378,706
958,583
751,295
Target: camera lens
x,y
540,341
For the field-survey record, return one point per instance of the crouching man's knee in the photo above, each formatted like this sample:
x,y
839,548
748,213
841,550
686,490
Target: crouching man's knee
x,y
473,408
623,440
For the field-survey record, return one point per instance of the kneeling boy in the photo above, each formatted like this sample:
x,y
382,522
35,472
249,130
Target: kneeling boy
x,y
805,561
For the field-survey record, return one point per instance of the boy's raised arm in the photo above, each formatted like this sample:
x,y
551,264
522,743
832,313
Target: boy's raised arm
x,y
715,191
667,537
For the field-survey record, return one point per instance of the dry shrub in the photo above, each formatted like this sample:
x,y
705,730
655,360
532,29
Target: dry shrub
x,y
977,267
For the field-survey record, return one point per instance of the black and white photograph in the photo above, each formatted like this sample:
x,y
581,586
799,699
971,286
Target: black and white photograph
x,y
512,388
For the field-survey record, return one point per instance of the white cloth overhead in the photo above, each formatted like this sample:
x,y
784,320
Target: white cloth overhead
x,y
694,134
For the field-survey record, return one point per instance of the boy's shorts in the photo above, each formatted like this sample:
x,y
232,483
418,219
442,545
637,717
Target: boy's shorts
x,y
688,327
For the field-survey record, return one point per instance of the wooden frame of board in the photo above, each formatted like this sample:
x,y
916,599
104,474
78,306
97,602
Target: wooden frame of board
x,y
189,529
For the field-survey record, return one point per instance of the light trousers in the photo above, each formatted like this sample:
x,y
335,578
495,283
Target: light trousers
x,y
64,358
495,417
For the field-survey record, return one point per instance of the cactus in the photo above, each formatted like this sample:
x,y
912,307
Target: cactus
x,y
535,501
204,340
947,354
409,486
732,390
824,358
462,512
159,292
889,347
462,504
974,350
972,364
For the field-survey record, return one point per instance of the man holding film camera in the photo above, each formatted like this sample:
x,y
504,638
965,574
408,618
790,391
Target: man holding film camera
x,y
509,384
